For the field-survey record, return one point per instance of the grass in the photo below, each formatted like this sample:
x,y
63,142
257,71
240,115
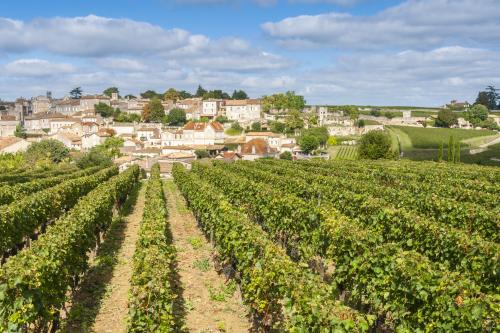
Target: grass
x,y
222,293
371,122
196,242
343,152
478,141
430,138
233,132
202,265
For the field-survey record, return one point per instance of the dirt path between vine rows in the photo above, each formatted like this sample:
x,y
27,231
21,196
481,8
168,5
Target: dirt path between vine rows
x,y
211,303
100,303
113,311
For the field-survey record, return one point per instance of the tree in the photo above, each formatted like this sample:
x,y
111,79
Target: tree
x,y
375,113
351,110
294,121
50,149
479,112
112,146
201,153
493,96
375,145
440,152
450,149
200,91
221,119
239,94
332,141
361,123
308,143
184,94
446,118
153,111
457,152
177,117
109,91
277,127
172,95
76,93
129,96
256,126
104,110
286,155
283,102
483,98
216,94
321,134
20,132
150,94
389,114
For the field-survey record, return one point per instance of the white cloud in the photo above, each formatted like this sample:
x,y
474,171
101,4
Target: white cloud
x,y
89,36
416,24
123,64
37,67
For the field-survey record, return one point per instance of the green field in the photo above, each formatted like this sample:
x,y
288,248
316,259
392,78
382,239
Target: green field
x,y
428,138
421,144
343,152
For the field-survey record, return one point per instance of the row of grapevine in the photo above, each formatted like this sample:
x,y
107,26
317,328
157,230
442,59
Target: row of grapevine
x,y
151,297
399,286
473,218
418,183
26,176
34,284
483,179
448,246
10,193
21,219
347,153
282,294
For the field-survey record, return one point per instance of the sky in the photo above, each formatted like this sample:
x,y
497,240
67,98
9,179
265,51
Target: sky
x,y
364,52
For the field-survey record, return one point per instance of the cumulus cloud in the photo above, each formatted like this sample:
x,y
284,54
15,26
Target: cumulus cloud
x,y
37,67
416,24
409,77
89,36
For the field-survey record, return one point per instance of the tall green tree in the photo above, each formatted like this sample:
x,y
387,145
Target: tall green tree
x,y
308,143
109,91
294,121
451,144
176,117
151,94
483,98
76,93
239,94
153,111
446,118
456,158
50,149
440,152
493,96
283,102
200,92
375,145
172,95
20,132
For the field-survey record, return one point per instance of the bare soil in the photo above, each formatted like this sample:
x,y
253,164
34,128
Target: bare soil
x,y
101,304
210,302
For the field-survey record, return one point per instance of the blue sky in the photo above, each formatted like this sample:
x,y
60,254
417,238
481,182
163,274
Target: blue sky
x,y
414,52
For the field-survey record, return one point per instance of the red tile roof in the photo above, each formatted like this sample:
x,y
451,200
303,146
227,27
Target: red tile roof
x,y
255,147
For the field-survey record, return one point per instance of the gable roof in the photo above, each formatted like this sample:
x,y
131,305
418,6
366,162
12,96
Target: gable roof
x,y
256,147
193,126
9,141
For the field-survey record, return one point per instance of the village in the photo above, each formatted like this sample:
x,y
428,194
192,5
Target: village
x,y
227,129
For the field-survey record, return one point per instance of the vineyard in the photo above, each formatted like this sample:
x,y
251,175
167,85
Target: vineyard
x,y
265,246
